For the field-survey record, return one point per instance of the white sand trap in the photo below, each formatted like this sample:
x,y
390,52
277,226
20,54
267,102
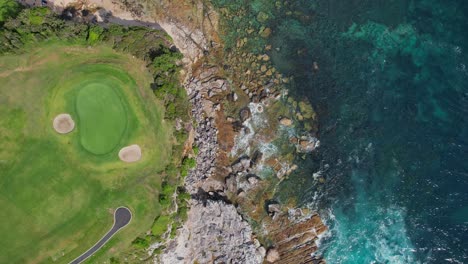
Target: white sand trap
x,y
64,124
130,153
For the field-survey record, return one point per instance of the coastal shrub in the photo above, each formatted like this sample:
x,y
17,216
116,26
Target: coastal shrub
x,y
140,242
174,227
187,164
171,170
181,136
166,87
8,9
33,25
184,196
171,110
196,150
160,225
167,188
182,213
166,62
159,250
95,33
165,197
164,200
114,260
36,16
184,172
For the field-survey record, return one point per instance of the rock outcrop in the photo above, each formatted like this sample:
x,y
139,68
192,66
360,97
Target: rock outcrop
x,y
224,185
214,233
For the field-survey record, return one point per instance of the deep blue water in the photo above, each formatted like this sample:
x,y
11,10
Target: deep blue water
x,y
392,97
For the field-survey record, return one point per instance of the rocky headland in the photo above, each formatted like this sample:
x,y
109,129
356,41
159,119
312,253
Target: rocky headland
x,y
248,133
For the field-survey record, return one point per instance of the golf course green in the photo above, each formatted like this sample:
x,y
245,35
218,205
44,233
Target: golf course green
x,y
58,192
103,119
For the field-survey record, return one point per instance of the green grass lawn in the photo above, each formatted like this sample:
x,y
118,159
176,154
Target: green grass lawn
x,y
58,192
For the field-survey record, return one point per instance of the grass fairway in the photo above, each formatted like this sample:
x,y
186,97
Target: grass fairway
x,y
58,192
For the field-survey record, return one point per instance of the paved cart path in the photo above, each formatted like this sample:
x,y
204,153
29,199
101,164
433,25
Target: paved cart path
x,y
122,217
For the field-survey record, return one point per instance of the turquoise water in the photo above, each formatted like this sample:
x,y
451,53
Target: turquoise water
x,y
391,93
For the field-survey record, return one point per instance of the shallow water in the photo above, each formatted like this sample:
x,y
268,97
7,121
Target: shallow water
x,y
392,97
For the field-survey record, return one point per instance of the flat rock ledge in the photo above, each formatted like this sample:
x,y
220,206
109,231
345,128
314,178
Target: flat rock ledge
x,y
130,153
63,124
214,233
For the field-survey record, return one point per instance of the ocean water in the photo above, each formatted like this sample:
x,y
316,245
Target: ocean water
x,y
391,92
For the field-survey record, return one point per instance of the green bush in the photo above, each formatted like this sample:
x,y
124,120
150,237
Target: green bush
x,y
182,213
167,189
141,242
165,197
189,163
174,227
114,260
160,225
36,16
8,9
95,33
196,149
182,195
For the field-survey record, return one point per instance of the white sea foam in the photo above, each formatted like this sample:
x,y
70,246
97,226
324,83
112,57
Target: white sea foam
x,y
377,235
243,140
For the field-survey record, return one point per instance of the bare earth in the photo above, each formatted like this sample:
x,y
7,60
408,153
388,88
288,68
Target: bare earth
x,y
63,124
130,153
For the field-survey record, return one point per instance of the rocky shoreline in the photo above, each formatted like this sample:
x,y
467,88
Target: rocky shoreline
x,y
215,231
225,194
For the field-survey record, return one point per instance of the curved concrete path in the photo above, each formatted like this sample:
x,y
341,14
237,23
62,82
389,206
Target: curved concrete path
x,y
122,217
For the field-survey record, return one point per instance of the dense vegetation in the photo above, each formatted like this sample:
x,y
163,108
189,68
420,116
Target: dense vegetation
x,y
22,30
8,9
35,25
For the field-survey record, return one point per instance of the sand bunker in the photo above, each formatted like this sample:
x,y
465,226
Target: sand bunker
x,y
64,124
130,153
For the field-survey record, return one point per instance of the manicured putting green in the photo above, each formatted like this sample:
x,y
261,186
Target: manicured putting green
x,y
102,117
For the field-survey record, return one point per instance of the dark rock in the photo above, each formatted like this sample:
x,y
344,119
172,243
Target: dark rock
x,y
237,126
245,114
232,97
256,157
241,164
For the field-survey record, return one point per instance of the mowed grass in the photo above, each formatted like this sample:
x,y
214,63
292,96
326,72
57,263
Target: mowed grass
x,y
56,195
103,119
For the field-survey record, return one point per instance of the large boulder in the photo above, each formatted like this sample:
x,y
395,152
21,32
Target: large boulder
x,y
286,121
272,255
245,114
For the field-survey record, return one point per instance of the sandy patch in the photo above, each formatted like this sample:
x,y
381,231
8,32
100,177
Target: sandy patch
x,y
130,153
63,124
